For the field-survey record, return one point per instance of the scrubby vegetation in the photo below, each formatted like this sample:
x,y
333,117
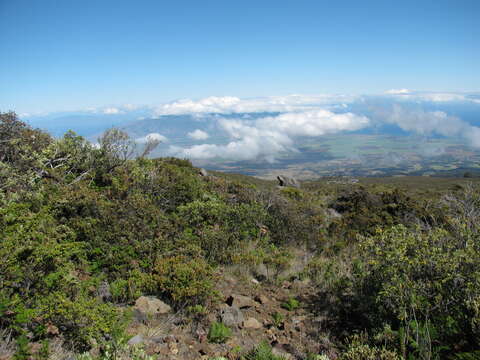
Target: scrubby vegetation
x,y
86,230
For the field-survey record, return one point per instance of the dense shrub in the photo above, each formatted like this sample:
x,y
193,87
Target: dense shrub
x,y
219,229
364,210
185,280
426,285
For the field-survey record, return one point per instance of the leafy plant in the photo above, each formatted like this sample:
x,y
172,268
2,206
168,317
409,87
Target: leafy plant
x,y
278,319
262,352
291,304
219,333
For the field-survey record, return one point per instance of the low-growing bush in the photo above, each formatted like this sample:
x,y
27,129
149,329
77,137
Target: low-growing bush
x,y
262,352
219,333
185,280
425,285
291,304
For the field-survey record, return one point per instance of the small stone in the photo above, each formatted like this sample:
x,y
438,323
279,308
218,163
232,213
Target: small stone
x,y
52,330
252,323
298,319
261,272
240,301
137,339
262,299
231,316
150,305
278,351
35,347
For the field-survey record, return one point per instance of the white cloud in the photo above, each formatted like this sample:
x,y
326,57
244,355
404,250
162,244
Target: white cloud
x,y
150,137
397,92
231,105
314,123
266,137
404,94
198,135
111,111
433,122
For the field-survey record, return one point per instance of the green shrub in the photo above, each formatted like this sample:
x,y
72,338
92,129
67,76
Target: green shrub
x,y
185,280
220,229
278,319
366,352
423,284
363,210
219,333
291,304
262,352
118,349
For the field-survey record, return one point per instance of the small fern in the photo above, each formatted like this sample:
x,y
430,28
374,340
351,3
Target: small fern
x,y
262,352
219,333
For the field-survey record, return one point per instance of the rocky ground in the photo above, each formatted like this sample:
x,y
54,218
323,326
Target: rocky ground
x,y
256,312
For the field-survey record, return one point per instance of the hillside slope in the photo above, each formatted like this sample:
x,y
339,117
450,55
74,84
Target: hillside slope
x,y
112,257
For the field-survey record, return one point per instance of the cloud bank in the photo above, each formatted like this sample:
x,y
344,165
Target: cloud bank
x,y
295,102
261,128
315,115
266,137
432,122
232,105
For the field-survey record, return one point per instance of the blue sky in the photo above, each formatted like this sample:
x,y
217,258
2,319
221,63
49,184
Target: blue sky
x,y
66,55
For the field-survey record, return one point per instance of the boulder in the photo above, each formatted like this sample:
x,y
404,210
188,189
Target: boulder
x,y
262,299
287,181
261,272
231,316
240,301
252,323
150,305
279,351
333,214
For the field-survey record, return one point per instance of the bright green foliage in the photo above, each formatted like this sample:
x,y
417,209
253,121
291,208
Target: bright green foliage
x,y
472,355
278,319
219,333
22,352
262,352
291,304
